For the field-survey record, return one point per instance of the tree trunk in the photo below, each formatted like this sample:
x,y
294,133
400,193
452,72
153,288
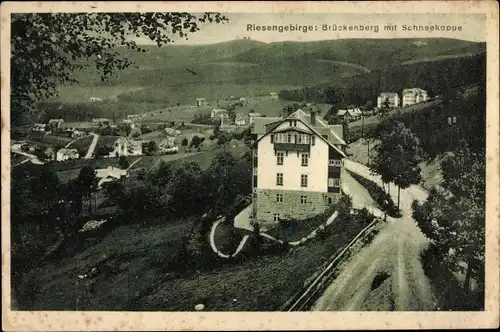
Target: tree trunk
x,y
399,192
468,276
389,188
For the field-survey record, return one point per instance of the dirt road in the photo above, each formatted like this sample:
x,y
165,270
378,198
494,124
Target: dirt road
x,y
393,253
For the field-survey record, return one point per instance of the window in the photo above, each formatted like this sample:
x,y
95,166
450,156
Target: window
x,y
279,198
313,140
279,179
305,159
300,139
276,217
272,138
303,180
335,162
303,199
279,158
255,152
333,182
289,138
329,200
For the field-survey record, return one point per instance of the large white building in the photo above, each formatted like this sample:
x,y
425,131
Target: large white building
x,y
414,96
391,98
296,166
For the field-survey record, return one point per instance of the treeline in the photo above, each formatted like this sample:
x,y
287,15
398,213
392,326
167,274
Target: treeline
x,y
437,77
86,111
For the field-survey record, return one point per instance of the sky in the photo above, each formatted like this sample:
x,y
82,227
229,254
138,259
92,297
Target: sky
x,y
462,26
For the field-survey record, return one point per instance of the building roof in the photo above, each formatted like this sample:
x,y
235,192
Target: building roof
x,y
67,151
351,112
111,171
414,90
253,114
170,131
389,94
320,128
219,110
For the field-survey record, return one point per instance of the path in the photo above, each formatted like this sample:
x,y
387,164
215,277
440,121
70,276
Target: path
x,y
34,159
90,151
246,213
395,250
73,141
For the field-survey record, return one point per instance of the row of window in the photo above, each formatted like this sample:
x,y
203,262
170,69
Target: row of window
x,y
293,138
332,182
279,199
304,159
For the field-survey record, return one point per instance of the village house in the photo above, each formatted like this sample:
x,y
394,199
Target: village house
x,y
78,134
67,154
391,98
296,164
274,96
55,123
95,99
200,102
240,120
172,132
351,114
102,121
414,96
219,113
39,127
49,153
126,147
110,174
130,122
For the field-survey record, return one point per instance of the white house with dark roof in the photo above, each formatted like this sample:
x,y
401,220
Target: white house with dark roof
x,y
109,174
414,96
296,166
391,98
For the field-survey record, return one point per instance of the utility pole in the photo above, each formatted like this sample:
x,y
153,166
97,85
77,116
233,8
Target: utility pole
x,y
362,126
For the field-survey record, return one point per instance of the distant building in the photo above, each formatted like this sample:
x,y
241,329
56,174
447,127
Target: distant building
x,y
110,174
240,120
391,98
39,127
129,122
167,143
78,134
351,114
274,95
126,147
200,102
95,99
55,123
297,164
102,121
133,116
50,154
67,154
172,132
414,96
219,113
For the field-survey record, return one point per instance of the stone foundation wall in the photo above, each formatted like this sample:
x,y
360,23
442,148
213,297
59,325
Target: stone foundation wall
x,y
291,207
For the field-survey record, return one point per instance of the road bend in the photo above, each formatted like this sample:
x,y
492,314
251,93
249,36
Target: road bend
x,y
394,251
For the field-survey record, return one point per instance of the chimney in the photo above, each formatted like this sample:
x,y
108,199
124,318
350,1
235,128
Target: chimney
x,y
313,117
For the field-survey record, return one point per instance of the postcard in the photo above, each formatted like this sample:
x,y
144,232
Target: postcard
x,y
250,165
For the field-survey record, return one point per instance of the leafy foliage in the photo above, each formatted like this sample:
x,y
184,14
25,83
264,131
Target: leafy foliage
x,y
48,48
454,217
397,155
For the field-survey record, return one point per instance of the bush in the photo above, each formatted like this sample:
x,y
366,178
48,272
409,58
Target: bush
x,y
383,199
344,206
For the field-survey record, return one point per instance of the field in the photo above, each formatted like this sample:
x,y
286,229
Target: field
x,y
82,145
81,93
